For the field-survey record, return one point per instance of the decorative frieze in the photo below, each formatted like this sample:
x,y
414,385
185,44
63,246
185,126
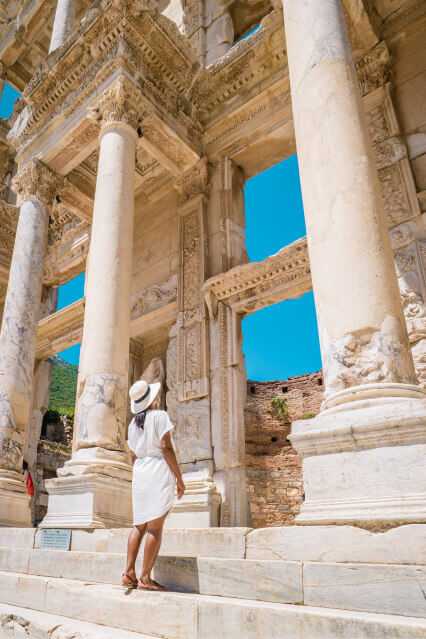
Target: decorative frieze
x,y
121,38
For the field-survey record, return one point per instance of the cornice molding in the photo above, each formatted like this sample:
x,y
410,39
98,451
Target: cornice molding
x,y
252,286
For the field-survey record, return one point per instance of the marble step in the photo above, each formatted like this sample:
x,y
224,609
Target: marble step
x,y
379,588
192,616
17,622
189,542
331,544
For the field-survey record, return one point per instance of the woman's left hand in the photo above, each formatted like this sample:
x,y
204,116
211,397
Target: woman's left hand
x,y
180,489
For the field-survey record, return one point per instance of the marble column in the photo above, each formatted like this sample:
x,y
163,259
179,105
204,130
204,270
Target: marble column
x,y
63,23
93,488
35,186
372,426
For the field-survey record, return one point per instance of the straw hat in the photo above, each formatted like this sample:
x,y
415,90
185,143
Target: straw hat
x,y
142,395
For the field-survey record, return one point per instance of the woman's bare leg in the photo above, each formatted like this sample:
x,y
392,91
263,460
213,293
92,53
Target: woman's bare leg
x,y
133,545
154,535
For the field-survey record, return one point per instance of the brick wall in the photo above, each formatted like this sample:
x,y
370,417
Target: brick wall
x,y
273,467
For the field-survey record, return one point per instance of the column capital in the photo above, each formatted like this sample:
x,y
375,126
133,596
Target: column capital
x,y
35,180
118,105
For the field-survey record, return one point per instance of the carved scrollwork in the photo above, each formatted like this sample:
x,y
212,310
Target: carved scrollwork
x,y
118,104
36,180
374,68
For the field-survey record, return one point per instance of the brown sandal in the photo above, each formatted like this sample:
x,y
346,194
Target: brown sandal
x,y
153,588
127,582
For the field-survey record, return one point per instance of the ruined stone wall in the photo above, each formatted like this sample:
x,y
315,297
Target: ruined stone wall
x,y
273,468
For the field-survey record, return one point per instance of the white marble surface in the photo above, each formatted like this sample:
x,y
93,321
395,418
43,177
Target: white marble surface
x,y
229,619
100,423
63,23
101,408
17,622
208,542
20,317
185,616
401,545
17,537
275,581
361,325
397,590
88,501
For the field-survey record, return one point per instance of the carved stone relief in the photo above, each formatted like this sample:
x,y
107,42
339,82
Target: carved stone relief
x,y
398,190
11,439
371,355
101,412
192,376
192,435
410,264
153,297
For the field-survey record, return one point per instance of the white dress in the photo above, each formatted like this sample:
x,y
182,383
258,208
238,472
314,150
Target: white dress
x,y
153,485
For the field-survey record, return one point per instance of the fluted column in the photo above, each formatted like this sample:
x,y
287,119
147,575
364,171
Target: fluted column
x,y
352,470
94,486
35,185
63,23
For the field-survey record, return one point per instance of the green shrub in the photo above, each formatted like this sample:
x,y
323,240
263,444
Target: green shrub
x,y
63,387
280,408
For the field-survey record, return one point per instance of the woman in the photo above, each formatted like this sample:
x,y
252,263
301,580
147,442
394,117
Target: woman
x,y
155,474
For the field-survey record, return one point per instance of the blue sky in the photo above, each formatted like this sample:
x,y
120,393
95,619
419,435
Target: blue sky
x,y
280,341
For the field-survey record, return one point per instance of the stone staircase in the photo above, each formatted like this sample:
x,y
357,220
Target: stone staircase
x,y
283,583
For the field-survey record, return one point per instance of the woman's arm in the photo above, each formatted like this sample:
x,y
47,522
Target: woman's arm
x,y
170,457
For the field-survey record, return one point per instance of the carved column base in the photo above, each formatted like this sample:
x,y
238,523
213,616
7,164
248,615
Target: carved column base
x,y
363,463
88,501
98,461
14,501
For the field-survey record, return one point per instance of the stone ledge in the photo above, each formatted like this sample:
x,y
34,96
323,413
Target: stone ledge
x,y
401,545
17,622
379,588
197,616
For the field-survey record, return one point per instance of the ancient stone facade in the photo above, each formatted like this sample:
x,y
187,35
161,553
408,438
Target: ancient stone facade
x,y
126,157
274,469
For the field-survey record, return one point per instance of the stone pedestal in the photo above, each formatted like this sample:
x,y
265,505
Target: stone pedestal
x,y
94,487
88,501
362,454
35,188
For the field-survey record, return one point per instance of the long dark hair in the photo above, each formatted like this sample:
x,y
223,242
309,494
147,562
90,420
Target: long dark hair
x,y
140,418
